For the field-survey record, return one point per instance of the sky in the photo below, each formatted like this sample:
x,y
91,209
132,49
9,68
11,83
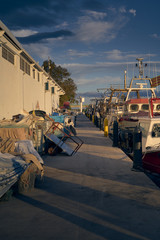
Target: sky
x,y
96,40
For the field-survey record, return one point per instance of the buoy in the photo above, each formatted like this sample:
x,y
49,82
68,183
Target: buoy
x,y
34,113
105,127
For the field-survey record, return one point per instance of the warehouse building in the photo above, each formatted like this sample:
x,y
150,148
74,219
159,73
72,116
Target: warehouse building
x,y
24,85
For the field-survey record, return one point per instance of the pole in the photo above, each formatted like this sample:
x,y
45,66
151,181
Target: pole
x,y
125,79
137,150
81,106
115,134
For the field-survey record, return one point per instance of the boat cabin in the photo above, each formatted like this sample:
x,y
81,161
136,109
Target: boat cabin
x,y
134,106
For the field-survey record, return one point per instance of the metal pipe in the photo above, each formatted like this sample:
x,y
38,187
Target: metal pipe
x,y
125,72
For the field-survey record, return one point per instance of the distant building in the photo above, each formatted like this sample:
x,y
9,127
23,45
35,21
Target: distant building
x,y
24,85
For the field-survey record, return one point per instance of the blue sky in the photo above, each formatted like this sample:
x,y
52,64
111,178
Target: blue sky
x,y
96,40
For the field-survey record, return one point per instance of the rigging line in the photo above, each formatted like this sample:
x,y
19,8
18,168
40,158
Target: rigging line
x,y
146,81
149,72
147,90
133,72
156,75
127,74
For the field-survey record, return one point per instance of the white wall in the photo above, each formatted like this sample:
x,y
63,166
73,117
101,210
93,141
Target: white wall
x,y
32,93
20,91
10,94
55,98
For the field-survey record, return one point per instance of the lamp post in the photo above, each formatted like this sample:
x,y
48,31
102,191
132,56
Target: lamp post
x,y
81,102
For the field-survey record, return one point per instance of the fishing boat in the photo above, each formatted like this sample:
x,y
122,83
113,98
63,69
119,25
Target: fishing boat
x,y
115,107
142,109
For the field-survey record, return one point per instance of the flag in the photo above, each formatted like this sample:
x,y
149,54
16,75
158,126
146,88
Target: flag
x,y
155,81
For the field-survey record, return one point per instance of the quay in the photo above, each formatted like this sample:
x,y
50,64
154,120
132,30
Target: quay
x,y
92,195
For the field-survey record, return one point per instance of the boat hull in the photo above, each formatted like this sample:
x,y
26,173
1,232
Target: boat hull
x,y
151,161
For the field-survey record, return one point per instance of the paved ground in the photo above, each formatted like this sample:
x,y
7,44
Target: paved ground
x,y
92,195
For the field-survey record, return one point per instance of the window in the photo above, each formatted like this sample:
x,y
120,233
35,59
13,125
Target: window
x,y
38,77
52,90
158,107
145,107
134,108
156,130
46,86
34,73
4,53
24,66
8,55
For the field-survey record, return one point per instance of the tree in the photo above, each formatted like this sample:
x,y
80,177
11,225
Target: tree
x,y
63,78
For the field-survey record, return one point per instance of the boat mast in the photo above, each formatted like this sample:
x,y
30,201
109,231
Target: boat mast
x,y
140,65
141,71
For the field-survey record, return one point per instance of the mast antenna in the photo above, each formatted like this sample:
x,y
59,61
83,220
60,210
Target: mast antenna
x,y
140,65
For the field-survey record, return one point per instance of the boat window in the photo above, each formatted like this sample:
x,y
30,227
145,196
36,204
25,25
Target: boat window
x,y
158,107
134,108
145,107
156,130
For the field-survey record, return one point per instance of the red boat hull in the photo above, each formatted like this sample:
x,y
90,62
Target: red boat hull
x,y
151,161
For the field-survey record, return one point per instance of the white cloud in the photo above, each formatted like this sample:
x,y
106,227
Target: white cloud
x,y
90,66
23,33
62,25
114,55
101,81
96,15
112,9
93,83
94,30
75,53
89,70
38,50
118,55
155,35
122,10
133,11
96,26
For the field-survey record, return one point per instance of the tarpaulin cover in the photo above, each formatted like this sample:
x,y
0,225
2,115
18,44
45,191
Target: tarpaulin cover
x,y
59,119
14,133
11,167
26,147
